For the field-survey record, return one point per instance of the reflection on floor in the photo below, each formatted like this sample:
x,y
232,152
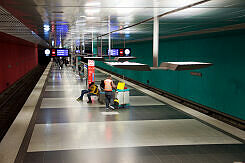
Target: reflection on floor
x,y
68,131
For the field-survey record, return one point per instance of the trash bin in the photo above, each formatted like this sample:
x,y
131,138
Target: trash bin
x,y
123,97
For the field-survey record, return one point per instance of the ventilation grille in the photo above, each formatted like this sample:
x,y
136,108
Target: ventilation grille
x,y
12,26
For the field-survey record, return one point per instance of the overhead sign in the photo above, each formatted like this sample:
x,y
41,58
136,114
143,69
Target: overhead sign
x,y
62,52
114,52
119,52
57,52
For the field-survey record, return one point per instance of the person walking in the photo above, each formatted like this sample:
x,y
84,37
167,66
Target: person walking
x,y
109,85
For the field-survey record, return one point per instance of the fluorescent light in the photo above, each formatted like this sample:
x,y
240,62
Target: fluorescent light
x,y
125,11
93,4
81,21
187,63
124,63
46,27
130,66
93,8
177,3
92,11
91,18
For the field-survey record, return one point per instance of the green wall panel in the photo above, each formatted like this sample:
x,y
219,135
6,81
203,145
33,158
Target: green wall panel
x,y
222,85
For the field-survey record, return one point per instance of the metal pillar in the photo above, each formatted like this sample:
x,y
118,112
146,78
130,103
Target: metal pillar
x,y
109,29
97,47
101,53
124,41
76,64
155,41
83,45
92,42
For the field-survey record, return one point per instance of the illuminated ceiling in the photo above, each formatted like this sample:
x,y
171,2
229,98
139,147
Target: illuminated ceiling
x,y
73,20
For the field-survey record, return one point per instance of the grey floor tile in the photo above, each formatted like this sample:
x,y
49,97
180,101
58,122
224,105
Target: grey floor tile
x,y
115,134
169,159
93,114
194,158
153,154
37,157
69,92
53,157
228,158
111,155
134,92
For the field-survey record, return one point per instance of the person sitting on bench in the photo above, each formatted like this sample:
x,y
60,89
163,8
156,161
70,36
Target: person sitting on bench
x,y
92,90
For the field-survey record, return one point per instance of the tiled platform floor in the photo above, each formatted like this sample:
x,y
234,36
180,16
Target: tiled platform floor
x,y
68,131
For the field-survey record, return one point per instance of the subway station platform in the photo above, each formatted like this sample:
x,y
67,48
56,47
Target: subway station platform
x,y
63,130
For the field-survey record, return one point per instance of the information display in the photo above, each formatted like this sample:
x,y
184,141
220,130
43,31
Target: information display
x,y
114,52
54,52
62,52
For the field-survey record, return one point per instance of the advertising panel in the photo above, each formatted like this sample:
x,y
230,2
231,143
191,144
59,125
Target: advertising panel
x,y
91,77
